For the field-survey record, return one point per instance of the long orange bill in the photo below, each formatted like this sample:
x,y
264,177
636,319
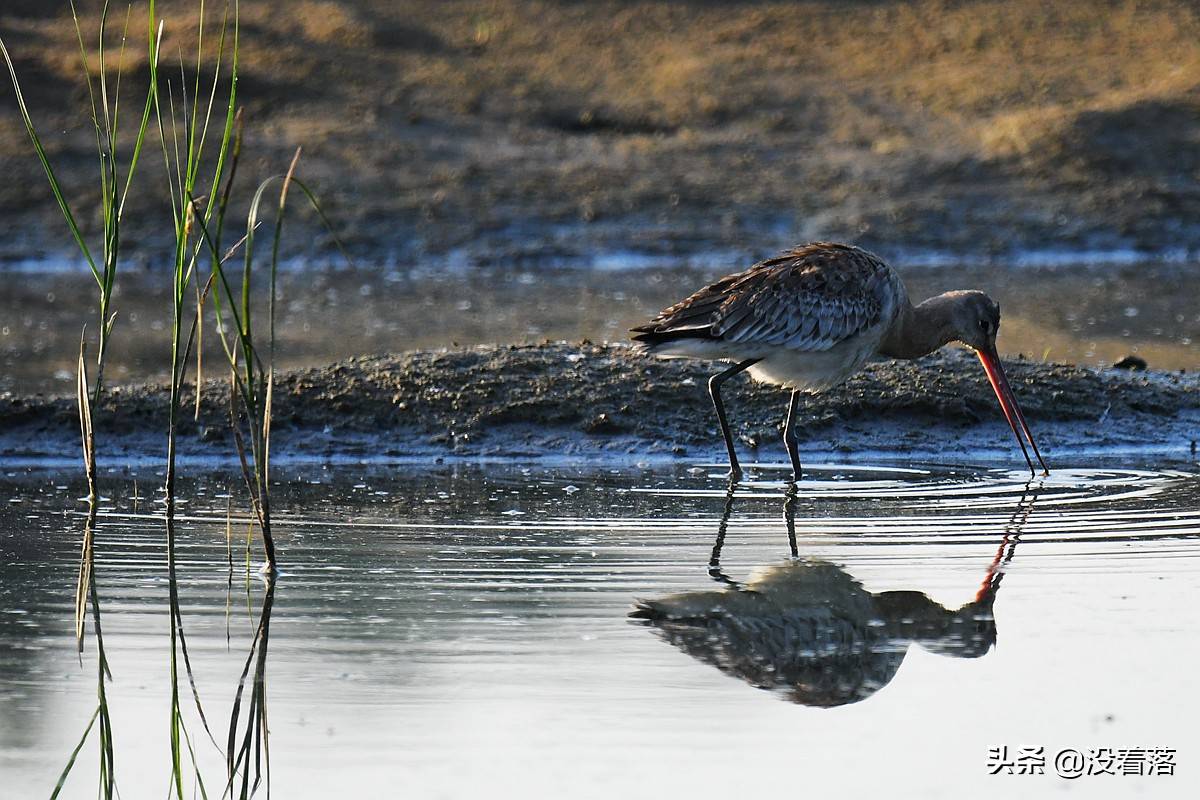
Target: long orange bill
x,y
1008,404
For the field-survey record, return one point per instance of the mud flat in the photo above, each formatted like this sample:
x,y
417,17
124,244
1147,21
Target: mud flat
x,y
583,401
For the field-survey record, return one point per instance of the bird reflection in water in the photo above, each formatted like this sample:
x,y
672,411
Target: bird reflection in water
x,y
809,631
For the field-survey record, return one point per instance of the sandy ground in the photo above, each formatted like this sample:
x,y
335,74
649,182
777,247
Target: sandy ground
x,y
489,132
567,400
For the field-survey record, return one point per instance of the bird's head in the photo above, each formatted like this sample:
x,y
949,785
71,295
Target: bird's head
x,y
975,320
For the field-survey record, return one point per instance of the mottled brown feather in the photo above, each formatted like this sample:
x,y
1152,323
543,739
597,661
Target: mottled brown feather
x,y
808,298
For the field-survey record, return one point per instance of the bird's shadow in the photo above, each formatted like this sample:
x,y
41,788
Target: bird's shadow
x,y
808,630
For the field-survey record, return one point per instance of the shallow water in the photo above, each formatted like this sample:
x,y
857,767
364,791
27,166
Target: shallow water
x,y
466,632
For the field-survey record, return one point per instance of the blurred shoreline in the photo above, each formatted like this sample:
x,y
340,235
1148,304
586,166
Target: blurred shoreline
x,y
491,132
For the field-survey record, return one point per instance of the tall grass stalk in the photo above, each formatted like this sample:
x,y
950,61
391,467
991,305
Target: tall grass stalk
x,y
184,156
114,187
104,108
116,174
251,370
183,143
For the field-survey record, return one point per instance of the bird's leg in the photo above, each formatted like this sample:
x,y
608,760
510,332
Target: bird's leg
x,y
714,561
789,435
714,390
789,518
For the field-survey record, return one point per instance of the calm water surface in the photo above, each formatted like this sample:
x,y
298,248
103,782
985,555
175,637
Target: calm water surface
x,y
498,632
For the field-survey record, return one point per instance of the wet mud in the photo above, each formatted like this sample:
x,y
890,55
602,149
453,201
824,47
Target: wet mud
x,y
564,399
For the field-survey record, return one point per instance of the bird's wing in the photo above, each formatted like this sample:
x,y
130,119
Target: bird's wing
x,y
809,298
697,312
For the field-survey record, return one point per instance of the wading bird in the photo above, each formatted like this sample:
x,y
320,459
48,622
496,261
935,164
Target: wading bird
x,y
813,316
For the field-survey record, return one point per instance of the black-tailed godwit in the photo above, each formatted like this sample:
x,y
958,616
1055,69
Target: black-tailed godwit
x,y
813,316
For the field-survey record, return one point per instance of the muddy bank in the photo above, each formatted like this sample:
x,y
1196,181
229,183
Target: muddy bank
x,y
578,400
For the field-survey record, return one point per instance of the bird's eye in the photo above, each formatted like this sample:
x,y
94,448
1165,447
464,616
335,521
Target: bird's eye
x,y
985,326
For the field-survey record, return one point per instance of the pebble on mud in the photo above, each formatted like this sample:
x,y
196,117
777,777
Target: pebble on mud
x,y
1132,363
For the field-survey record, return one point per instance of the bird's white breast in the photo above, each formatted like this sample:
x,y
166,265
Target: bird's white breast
x,y
810,370
816,370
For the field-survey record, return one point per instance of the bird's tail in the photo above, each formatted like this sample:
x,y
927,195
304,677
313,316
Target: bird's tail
x,y
649,611
649,339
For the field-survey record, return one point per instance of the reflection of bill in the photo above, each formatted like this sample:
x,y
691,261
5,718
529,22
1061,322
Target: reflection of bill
x,y
809,630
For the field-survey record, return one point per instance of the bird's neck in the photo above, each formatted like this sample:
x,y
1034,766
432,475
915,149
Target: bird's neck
x,y
913,616
919,330
910,614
